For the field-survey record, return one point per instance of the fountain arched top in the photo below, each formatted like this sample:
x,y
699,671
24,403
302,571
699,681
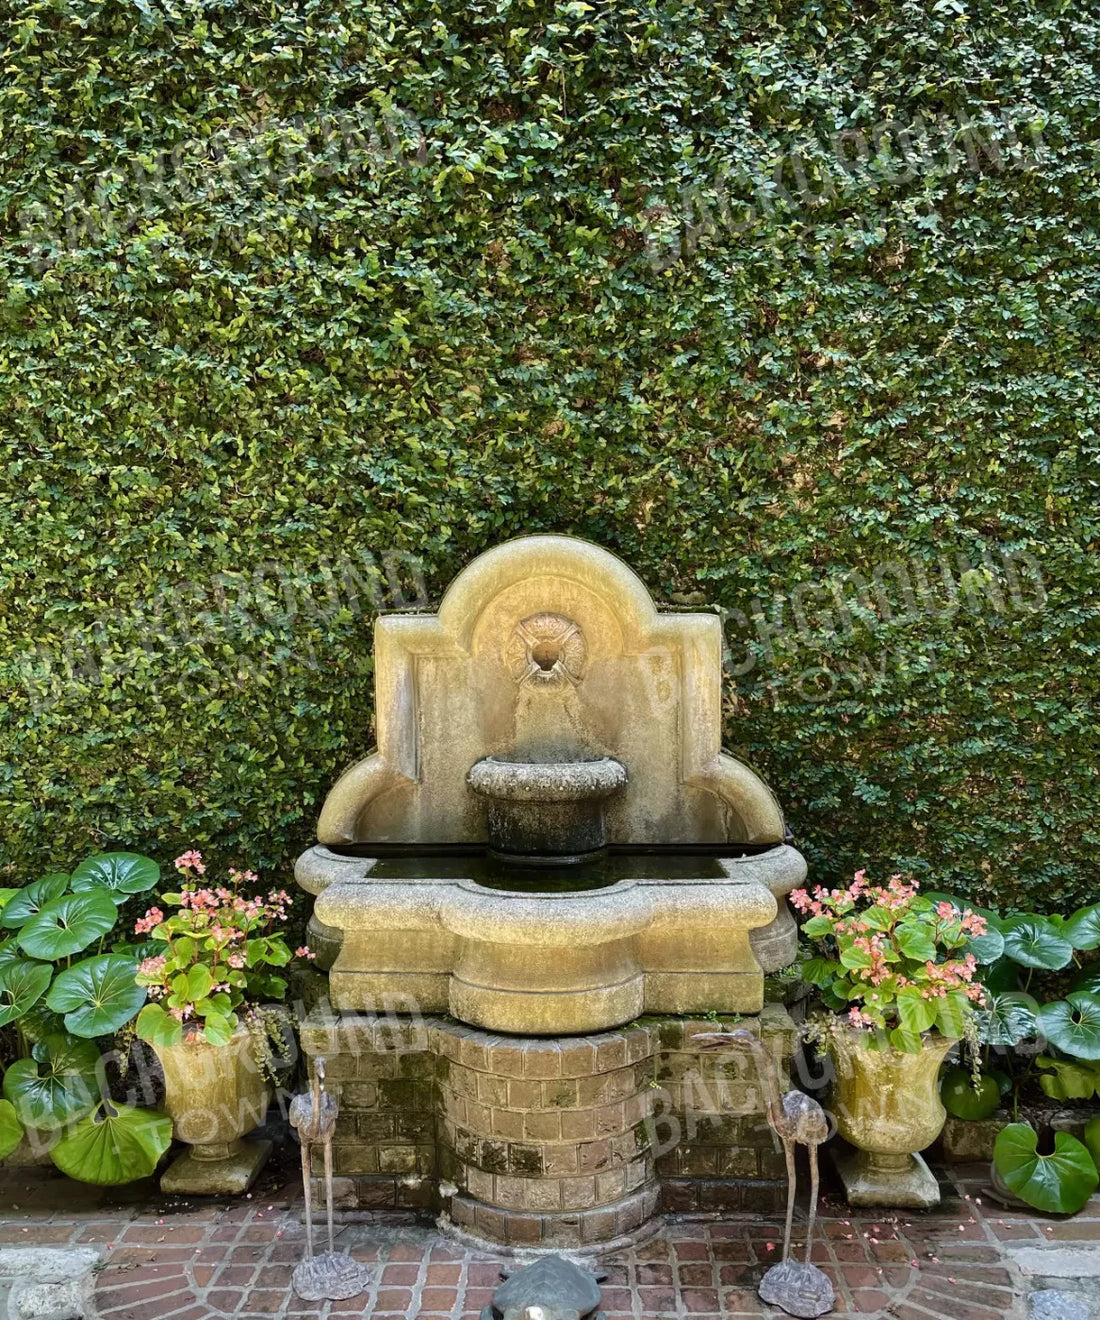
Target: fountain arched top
x,y
549,645
566,558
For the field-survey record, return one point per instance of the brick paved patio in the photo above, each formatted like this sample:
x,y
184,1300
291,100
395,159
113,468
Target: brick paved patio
x,y
192,1261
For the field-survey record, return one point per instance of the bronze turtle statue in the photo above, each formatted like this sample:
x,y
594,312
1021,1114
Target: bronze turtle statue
x,y
551,1289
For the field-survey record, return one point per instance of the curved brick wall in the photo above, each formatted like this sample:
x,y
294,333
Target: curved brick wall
x,y
562,1142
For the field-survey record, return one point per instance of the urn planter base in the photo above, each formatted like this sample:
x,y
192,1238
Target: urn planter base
x,y
901,1180
224,1170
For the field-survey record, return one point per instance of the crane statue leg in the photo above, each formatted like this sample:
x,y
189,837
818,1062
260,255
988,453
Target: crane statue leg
x,y
328,1191
811,1150
307,1195
788,1151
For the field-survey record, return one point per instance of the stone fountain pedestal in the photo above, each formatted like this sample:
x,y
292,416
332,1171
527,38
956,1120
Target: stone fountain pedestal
x,y
533,1143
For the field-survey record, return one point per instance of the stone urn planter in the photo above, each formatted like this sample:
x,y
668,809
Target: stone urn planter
x,y
214,1095
887,1108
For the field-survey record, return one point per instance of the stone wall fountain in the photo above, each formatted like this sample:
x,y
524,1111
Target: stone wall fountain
x,y
550,847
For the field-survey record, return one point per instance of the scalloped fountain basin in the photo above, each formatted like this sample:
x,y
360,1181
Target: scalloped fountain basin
x,y
567,950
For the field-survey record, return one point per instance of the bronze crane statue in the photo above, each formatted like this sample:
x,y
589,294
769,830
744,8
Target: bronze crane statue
x,y
795,1118
333,1275
313,1114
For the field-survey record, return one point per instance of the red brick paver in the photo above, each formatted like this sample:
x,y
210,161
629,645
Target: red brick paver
x,y
205,1262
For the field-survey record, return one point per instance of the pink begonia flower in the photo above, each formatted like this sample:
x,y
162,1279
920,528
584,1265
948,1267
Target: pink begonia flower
x,y
304,952
190,861
145,924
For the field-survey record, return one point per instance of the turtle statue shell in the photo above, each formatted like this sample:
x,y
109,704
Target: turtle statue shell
x,y
554,1285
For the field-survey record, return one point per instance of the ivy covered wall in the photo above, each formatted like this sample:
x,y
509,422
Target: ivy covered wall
x,y
791,303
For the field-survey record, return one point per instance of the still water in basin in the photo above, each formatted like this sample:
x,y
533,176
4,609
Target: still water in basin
x,y
488,871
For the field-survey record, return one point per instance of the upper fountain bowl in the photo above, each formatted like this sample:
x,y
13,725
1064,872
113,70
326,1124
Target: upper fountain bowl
x,y
546,812
546,781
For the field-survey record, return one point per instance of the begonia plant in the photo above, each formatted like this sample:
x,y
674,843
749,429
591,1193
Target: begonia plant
x,y
220,945
890,960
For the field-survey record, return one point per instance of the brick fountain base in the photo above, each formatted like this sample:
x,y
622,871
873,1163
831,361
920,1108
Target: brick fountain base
x,y
549,1143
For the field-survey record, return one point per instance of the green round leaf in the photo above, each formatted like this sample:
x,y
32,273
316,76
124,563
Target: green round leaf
x,y
1001,977
1066,1080
67,925
1003,1080
31,900
1088,981
22,985
915,941
986,948
218,1029
962,1099
56,1085
1083,928
1073,1024
1092,1139
10,952
11,1130
158,1027
41,1022
1007,1019
113,1144
97,996
1059,1183
6,896
122,873
1033,941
